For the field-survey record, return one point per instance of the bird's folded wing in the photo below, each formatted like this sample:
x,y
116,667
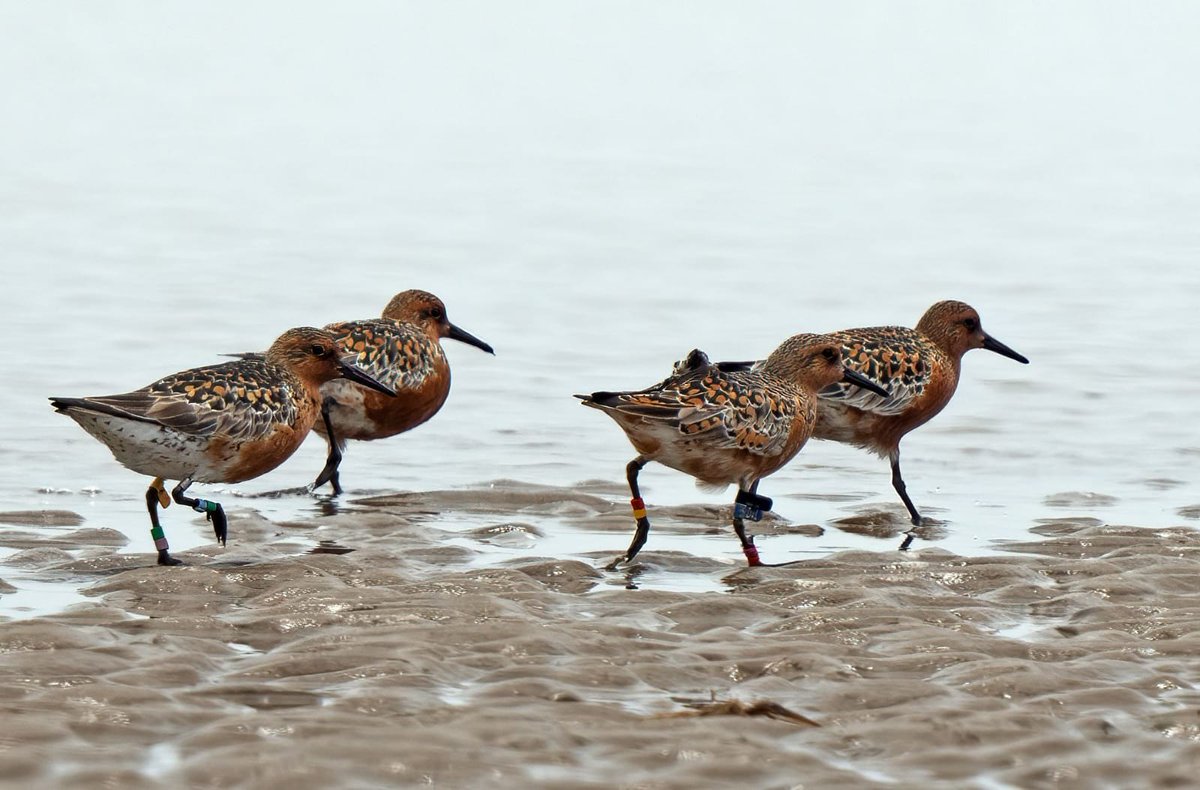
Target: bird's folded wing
x,y
233,400
896,366
398,355
726,413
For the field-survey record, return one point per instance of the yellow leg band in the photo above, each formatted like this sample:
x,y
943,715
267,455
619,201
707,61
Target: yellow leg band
x,y
639,514
164,498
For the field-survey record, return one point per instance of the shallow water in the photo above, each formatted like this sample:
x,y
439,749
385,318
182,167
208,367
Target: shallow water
x,y
595,189
596,218
1047,667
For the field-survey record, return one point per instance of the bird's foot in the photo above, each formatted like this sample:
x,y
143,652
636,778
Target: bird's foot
x,y
326,476
216,514
615,565
165,558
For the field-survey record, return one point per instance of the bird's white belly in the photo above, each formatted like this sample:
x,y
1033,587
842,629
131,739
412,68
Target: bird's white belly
x,y
836,423
714,468
347,411
150,449
847,425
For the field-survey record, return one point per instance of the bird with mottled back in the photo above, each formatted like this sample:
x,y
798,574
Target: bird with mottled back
x,y
403,350
920,367
726,424
718,410
241,402
217,424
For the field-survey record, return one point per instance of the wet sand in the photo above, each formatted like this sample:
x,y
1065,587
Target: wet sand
x,y
418,658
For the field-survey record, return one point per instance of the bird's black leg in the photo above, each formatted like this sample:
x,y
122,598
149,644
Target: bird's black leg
x,y
748,547
642,531
898,484
154,495
330,473
211,510
749,505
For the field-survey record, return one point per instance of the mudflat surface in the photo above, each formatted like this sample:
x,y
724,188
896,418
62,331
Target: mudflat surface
x,y
1068,662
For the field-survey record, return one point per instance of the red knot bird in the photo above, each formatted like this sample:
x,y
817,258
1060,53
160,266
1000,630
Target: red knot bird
x,y
725,424
402,350
219,424
921,369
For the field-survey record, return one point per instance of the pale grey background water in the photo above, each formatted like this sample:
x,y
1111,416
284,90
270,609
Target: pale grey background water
x,y
596,188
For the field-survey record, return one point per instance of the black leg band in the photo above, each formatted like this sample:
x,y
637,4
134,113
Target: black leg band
x,y
750,506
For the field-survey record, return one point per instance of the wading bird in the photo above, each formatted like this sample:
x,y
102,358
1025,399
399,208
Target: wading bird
x,y
219,424
920,367
727,424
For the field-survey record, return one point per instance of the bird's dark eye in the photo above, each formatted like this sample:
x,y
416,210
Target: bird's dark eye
x,y
830,355
435,313
319,350
971,324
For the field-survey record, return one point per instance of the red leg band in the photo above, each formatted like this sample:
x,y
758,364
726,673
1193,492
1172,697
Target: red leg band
x,y
639,507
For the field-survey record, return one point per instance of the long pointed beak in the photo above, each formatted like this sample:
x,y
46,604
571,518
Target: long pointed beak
x,y
858,379
359,376
466,337
992,344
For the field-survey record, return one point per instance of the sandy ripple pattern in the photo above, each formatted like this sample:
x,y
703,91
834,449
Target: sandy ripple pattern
x,y
1068,661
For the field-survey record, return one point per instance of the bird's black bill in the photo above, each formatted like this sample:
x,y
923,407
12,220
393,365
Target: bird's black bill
x,y
854,377
466,337
359,376
992,344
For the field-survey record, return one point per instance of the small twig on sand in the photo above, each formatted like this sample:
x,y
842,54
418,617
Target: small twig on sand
x,y
733,707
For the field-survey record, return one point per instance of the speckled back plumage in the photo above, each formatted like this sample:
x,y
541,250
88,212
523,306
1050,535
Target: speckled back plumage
x,y
398,354
899,359
239,400
727,424
919,376
748,410
403,350
920,367
218,423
